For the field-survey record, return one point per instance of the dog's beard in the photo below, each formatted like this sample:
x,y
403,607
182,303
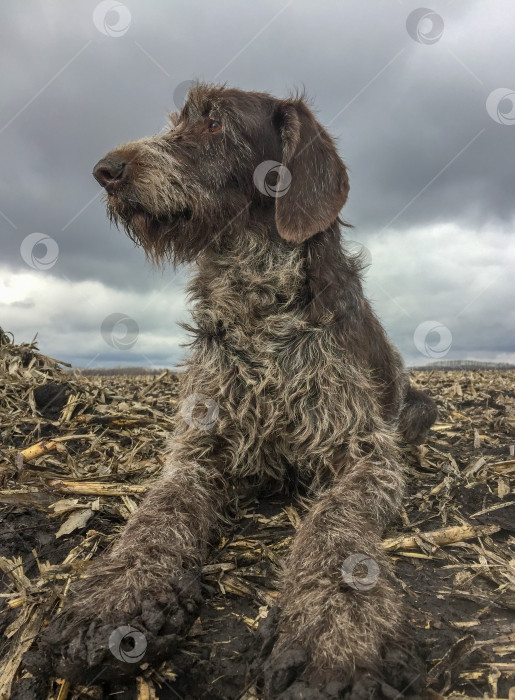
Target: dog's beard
x,y
182,236
164,239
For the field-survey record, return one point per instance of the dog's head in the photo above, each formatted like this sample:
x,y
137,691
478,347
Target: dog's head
x,y
227,156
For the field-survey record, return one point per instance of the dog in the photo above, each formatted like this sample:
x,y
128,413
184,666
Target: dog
x,y
290,379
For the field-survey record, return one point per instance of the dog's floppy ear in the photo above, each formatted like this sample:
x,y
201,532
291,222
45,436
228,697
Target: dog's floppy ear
x,y
313,182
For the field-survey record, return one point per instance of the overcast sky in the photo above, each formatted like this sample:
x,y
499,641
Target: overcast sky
x,y
422,104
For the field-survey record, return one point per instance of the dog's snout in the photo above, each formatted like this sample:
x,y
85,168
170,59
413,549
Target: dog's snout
x,y
110,172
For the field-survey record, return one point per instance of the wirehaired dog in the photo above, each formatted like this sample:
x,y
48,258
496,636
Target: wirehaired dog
x,y
300,382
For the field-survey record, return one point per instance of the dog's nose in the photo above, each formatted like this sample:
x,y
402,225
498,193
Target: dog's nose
x,y
110,172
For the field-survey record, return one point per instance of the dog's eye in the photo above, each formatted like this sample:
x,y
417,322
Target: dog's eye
x,y
214,125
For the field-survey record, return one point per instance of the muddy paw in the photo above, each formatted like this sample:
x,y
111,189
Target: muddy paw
x,y
404,670
286,676
281,674
402,677
83,646
275,672
29,688
281,670
334,690
364,686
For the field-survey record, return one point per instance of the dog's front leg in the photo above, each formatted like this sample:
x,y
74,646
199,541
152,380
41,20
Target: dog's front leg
x,y
138,599
418,414
338,607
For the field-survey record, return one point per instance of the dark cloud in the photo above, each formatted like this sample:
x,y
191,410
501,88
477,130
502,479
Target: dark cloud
x,y
431,170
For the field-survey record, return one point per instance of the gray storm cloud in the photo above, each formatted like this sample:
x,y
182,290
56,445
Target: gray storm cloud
x,y
420,106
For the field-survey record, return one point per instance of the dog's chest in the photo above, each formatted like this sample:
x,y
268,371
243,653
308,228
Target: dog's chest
x,y
272,373
253,311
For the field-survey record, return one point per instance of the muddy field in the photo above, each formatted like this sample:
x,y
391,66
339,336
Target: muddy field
x,y
78,454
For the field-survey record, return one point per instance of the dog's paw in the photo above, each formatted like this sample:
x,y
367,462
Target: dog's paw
x,y
29,688
334,690
84,646
404,673
280,671
287,676
285,673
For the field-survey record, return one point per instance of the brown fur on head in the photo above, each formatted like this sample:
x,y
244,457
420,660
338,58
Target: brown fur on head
x,y
192,186
319,180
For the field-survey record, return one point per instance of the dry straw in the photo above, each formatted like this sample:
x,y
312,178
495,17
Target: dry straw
x,y
78,453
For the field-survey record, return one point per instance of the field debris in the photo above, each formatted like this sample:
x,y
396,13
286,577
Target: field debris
x,y
79,452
